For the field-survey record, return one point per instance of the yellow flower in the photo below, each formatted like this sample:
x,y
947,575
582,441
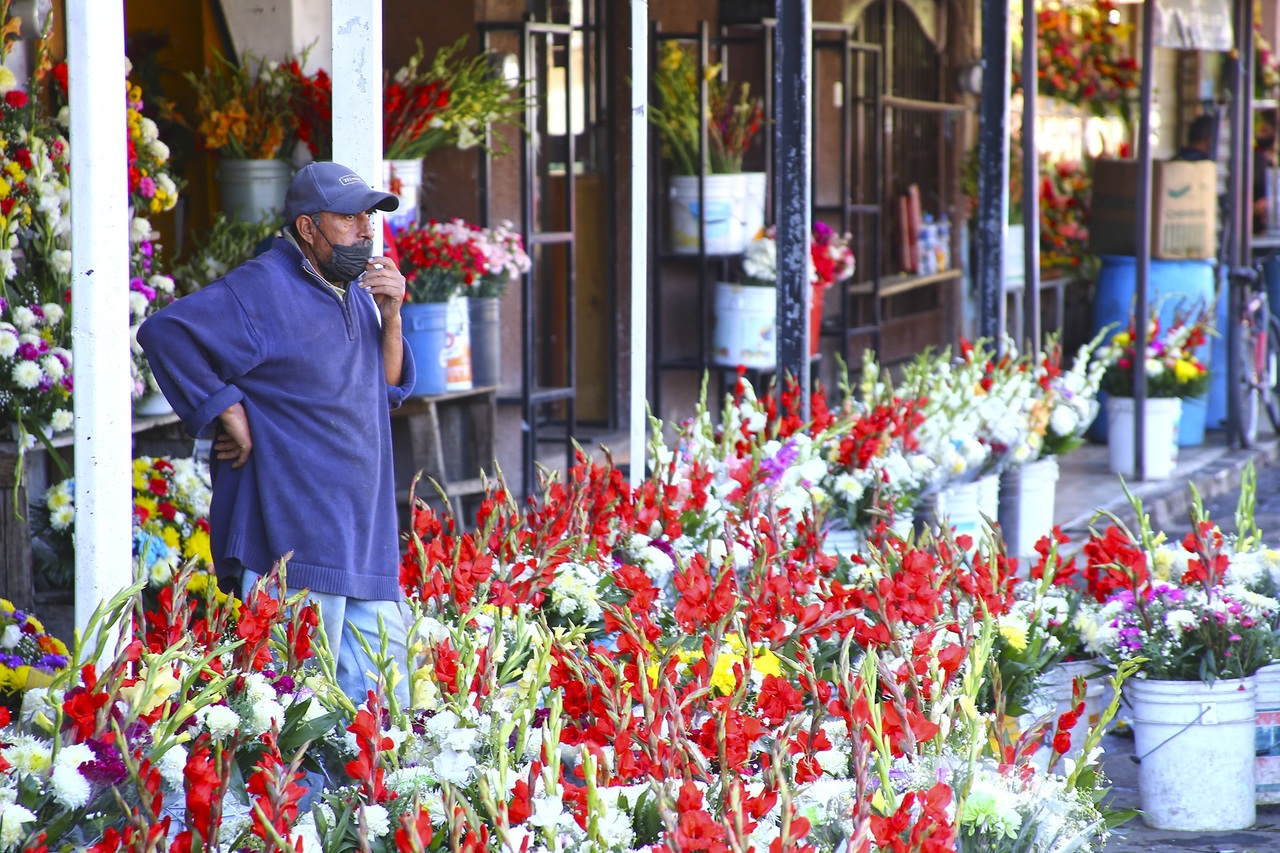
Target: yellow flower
x,y
1162,563
147,503
197,545
1014,630
171,538
4,189
164,685
1186,371
767,663
722,677
1122,339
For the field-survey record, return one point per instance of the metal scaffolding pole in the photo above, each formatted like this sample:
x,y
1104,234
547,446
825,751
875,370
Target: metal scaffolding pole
x,y
993,170
639,233
793,50
1142,242
1030,180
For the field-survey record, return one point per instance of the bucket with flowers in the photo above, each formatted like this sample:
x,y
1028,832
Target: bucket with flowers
x,y
713,203
449,103
246,116
1173,373
439,260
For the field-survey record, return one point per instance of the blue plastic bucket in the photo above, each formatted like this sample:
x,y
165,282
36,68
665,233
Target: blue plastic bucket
x,y
426,329
1175,285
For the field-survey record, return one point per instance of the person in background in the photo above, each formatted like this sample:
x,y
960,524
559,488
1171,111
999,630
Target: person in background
x,y
1264,158
292,363
1199,140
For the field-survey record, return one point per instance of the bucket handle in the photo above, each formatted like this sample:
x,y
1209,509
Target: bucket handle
x,y
1204,709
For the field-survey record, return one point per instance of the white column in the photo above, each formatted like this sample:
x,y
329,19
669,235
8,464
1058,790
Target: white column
x,y
100,301
357,90
639,232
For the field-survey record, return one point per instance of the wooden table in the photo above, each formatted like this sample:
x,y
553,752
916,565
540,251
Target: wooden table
x,y
450,439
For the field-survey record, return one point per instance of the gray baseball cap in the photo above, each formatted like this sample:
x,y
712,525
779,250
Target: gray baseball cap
x,y
324,185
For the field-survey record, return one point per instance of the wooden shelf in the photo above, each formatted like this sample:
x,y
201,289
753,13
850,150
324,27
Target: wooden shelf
x,y
68,438
894,285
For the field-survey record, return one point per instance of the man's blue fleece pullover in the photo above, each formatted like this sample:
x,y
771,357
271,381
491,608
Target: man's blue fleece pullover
x,y
308,368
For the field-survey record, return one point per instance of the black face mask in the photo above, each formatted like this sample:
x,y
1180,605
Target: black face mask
x,y
348,262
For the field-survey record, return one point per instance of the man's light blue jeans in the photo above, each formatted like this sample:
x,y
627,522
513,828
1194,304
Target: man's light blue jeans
x,y
340,618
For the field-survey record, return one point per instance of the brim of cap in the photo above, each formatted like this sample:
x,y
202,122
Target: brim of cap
x,y
362,198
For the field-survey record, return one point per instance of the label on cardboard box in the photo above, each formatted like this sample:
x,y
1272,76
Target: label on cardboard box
x,y
1184,209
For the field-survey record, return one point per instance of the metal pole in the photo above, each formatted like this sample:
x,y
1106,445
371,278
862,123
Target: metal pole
x,y
993,170
357,91
1030,178
1238,189
1142,242
793,52
100,295
639,232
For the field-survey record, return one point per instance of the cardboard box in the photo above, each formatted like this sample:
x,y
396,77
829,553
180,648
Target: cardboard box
x,y
1184,209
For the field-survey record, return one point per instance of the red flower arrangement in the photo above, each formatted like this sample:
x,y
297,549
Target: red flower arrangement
x,y
312,102
439,260
1081,57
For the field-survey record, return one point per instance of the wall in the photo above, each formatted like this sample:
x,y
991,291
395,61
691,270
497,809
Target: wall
x,y
274,29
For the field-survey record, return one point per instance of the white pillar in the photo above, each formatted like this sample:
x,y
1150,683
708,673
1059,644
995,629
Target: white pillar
x,y
357,90
100,301
639,232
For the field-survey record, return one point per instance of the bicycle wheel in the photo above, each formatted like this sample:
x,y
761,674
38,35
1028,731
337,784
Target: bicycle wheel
x,y
1247,392
1271,386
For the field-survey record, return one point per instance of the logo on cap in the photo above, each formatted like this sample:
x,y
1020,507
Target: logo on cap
x,y
350,179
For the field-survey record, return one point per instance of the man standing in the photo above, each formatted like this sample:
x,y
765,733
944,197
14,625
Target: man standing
x,y
292,362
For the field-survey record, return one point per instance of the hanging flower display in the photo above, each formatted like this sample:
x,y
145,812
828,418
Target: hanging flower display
x,y
1082,58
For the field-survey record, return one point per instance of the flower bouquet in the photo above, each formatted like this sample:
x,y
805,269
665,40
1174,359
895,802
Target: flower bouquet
x,y
35,372
1082,59
1169,361
152,189
440,260
732,124
29,657
245,110
504,259
448,104
1070,397
170,516
149,291
312,103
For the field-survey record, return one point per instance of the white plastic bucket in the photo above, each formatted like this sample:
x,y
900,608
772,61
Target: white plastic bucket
x,y
457,346
725,217
406,177
842,543
1195,743
1027,497
1161,425
746,326
755,185
1267,734
962,507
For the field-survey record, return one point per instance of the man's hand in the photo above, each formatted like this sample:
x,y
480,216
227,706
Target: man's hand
x,y
234,440
386,285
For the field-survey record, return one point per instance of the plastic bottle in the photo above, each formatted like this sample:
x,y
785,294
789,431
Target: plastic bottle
x,y
944,243
928,239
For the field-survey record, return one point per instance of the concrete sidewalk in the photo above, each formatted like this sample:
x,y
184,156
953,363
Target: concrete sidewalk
x,y
1085,484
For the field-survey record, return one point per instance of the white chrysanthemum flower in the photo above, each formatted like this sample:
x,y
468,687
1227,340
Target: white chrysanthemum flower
x,y
27,374
52,367
171,765
139,229
159,151
68,784
138,304
24,318
265,714
61,420
377,819
161,283
13,821
8,344
61,261
147,130
219,720
27,754
62,517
